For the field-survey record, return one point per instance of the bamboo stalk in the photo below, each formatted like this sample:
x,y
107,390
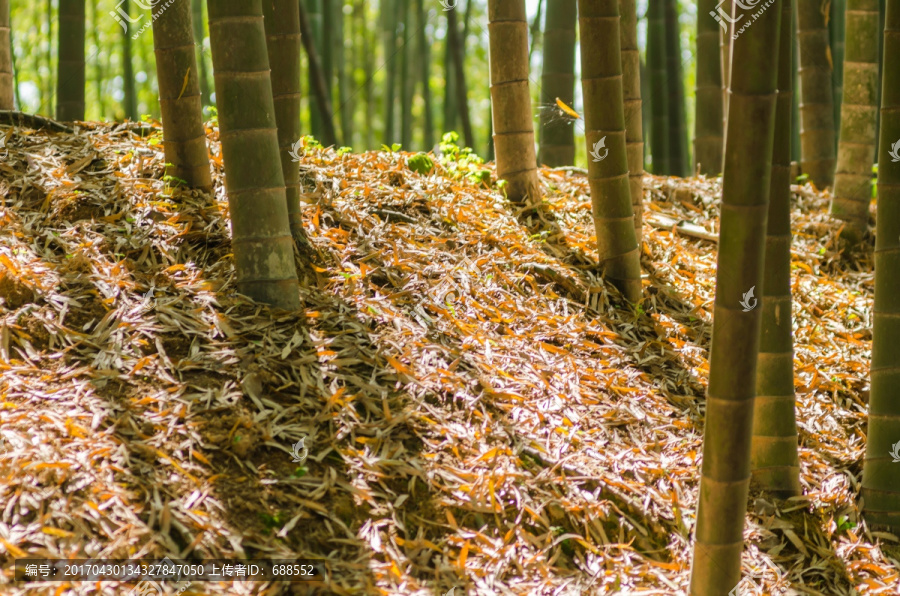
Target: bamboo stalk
x,y
881,482
462,102
179,95
634,133
130,93
70,65
708,116
425,74
816,102
282,23
604,124
6,70
725,472
511,100
197,19
254,182
656,69
317,78
557,137
856,148
677,155
774,459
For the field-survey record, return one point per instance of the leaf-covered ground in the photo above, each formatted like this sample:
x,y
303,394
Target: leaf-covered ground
x,y
482,411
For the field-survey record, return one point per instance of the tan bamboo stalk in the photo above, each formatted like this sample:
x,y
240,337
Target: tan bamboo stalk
x,y
725,58
837,24
199,34
634,132
708,116
816,101
856,148
511,100
179,95
261,237
725,471
881,482
775,462
557,137
282,21
6,71
129,85
604,124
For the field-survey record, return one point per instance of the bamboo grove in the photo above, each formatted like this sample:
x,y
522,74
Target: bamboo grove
x,y
776,93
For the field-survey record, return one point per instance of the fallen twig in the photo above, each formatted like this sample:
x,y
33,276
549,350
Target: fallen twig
x,y
15,118
682,226
387,214
573,169
551,274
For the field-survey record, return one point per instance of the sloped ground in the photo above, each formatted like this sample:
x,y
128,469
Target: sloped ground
x,y
481,410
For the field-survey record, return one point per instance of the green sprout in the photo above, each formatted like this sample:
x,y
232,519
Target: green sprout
x,y
845,524
310,142
420,163
213,114
481,177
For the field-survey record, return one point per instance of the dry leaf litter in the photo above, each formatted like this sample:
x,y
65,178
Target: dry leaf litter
x,y
481,410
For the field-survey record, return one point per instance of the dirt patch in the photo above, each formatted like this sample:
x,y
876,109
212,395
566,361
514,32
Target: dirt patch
x,y
78,207
90,312
177,347
233,431
13,292
202,379
33,195
40,337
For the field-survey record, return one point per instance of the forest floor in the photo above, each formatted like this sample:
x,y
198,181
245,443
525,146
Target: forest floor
x,y
481,410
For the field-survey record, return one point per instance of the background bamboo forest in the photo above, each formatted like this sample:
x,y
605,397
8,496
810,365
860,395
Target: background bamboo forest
x,y
359,61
